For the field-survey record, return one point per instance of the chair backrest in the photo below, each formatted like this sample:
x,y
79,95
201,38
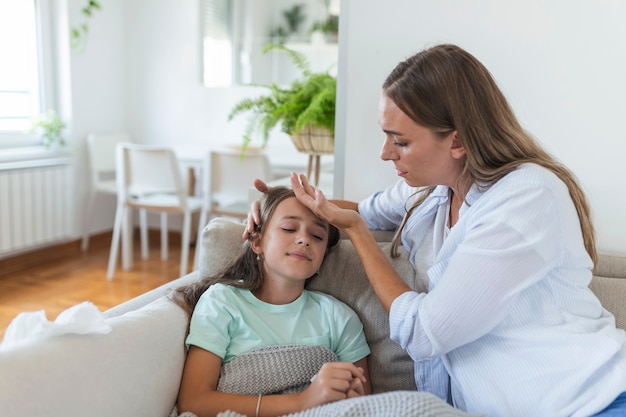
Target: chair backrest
x,y
229,176
101,152
148,170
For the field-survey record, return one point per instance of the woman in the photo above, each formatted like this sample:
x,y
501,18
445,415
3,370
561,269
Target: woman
x,y
505,235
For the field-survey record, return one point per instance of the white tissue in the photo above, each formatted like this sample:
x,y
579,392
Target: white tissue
x,y
83,318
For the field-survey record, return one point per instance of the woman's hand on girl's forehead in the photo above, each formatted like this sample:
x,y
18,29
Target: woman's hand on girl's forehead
x,y
304,191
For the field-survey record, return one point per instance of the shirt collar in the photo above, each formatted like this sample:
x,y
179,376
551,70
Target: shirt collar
x,y
441,195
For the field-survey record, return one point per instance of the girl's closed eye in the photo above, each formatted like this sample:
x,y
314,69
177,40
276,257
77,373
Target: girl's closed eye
x,y
288,226
319,234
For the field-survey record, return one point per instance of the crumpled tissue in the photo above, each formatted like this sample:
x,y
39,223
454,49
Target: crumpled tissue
x,y
83,318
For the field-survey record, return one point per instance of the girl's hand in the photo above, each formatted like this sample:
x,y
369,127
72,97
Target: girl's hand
x,y
357,387
254,217
315,200
335,381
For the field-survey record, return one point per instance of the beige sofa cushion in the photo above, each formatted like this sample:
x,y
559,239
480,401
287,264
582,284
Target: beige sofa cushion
x,y
609,285
342,276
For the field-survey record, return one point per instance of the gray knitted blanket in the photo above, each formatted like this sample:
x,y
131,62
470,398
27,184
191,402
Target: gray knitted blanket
x,y
388,404
289,369
274,370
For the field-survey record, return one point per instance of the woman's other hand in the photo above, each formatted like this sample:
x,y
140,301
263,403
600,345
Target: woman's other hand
x,y
254,217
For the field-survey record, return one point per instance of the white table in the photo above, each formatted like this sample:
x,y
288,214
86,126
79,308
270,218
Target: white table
x,y
191,157
282,164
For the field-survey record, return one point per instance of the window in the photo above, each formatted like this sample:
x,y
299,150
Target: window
x,y
234,33
217,42
20,99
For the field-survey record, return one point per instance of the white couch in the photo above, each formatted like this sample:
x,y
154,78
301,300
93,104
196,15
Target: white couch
x,y
135,369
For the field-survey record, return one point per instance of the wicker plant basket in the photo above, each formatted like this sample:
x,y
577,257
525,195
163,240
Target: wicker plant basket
x,y
314,141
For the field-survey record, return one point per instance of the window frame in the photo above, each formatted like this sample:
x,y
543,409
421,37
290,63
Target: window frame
x,y
45,14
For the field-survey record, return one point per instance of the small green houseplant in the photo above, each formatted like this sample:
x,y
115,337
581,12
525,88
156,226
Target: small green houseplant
x,y
294,17
50,127
78,34
305,109
329,27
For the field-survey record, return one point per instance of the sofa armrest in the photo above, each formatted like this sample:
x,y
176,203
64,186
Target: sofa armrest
x,y
134,370
150,296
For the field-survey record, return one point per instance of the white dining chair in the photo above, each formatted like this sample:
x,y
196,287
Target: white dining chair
x,y
149,178
101,161
227,178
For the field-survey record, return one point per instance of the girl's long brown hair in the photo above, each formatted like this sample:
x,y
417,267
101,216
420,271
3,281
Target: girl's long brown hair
x,y
445,88
244,271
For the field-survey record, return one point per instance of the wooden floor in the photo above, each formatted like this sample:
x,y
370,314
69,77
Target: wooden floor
x,y
70,280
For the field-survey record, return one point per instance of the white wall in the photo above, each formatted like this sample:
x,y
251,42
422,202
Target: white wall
x,y
561,64
95,97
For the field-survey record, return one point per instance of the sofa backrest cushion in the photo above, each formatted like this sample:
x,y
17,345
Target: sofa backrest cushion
x,y
343,277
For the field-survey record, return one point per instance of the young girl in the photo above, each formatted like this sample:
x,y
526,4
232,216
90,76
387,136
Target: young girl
x,y
259,300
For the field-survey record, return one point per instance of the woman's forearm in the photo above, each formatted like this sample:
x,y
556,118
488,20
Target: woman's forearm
x,y
346,204
383,278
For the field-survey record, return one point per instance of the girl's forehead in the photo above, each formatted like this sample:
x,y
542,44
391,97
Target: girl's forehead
x,y
290,204
291,208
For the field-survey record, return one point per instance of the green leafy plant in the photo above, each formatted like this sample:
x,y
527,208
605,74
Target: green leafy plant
x,y
309,101
78,34
50,127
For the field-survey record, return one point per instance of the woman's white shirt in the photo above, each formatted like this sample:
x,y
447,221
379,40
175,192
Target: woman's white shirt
x,y
508,311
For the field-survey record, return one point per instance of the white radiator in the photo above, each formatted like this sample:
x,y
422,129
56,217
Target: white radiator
x,y
36,204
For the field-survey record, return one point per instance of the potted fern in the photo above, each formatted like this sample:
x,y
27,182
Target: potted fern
x,y
305,109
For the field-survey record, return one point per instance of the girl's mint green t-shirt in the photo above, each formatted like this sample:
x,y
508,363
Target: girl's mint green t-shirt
x,y
229,321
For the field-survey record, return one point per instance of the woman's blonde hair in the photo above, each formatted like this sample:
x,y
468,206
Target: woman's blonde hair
x,y
445,89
